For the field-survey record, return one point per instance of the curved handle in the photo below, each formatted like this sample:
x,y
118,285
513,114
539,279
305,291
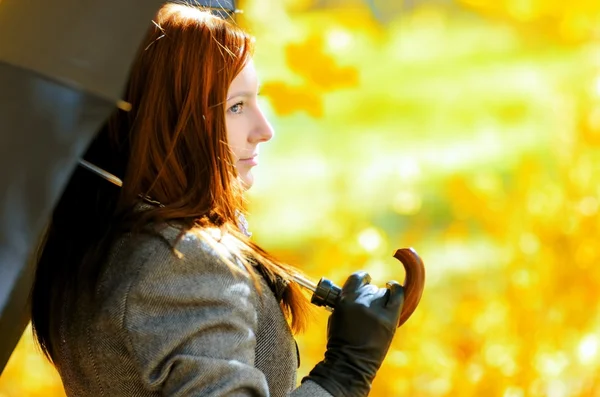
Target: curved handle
x,y
414,283
326,294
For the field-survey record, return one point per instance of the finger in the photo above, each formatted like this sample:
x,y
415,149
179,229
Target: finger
x,y
355,281
396,294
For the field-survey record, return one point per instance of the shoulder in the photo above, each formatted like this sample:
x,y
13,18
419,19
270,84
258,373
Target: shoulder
x,y
173,249
182,270
174,267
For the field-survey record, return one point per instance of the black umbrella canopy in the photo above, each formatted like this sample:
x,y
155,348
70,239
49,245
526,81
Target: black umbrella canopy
x,y
63,65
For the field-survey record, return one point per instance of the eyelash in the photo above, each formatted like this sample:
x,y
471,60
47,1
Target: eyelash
x,y
241,104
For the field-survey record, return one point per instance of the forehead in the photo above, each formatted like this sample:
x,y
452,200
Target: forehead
x,y
246,80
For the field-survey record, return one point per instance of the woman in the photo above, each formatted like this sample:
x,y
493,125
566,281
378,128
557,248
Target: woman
x,y
155,288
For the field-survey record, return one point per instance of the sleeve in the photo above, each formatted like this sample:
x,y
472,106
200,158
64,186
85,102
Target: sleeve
x,y
310,389
190,325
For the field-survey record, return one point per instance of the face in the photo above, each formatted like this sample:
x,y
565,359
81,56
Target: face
x,y
247,126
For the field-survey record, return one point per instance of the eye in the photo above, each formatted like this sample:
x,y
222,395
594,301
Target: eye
x,y
237,108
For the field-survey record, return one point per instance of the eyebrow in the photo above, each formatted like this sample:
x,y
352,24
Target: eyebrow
x,y
242,93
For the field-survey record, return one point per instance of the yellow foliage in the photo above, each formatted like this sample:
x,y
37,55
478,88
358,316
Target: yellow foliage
x,y
287,100
28,373
574,21
308,60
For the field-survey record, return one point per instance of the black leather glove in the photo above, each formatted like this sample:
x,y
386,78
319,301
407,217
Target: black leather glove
x,y
359,331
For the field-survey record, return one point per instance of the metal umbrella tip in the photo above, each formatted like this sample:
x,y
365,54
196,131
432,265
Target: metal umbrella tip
x,y
123,105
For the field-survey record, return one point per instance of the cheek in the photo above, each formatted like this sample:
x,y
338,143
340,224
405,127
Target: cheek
x,y
236,135
235,129
229,127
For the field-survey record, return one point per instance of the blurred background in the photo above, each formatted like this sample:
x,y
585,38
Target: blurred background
x,y
467,129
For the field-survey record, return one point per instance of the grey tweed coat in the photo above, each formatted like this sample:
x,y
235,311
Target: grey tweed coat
x,y
161,324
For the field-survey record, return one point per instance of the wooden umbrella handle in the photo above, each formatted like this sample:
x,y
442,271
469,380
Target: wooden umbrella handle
x,y
414,282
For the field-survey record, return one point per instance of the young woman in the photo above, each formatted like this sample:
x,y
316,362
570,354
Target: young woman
x,y
154,288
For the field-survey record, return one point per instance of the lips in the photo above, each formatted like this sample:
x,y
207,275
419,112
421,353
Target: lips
x,y
249,161
250,158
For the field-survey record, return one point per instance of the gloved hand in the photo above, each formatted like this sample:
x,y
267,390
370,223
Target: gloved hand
x,y
359,334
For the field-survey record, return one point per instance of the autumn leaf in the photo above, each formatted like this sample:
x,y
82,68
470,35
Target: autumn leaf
x,y
287,99
309,60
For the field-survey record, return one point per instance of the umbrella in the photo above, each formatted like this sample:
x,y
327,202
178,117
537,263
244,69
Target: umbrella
x,y
63,65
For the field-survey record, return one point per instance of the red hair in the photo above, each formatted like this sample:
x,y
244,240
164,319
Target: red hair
x,y
178,151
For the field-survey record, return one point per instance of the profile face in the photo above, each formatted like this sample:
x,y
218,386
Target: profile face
x,y
246,124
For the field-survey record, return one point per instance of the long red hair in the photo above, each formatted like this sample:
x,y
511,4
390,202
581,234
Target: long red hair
x,y
178,151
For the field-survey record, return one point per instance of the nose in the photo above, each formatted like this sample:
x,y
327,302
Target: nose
x,y
262,131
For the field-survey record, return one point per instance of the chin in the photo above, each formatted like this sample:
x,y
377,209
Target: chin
x,y
247,180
